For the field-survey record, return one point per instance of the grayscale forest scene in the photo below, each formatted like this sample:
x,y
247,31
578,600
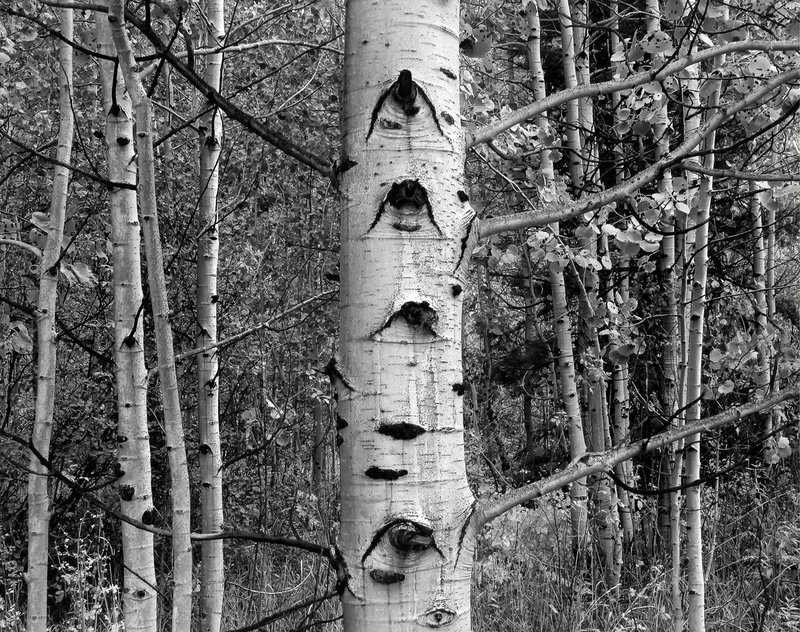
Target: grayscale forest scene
x,y
399,315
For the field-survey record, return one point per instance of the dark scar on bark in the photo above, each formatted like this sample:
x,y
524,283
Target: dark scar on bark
x,y
420,315
386,577
447,118
448,73
462,196
458,387
333,372
403,194
385,474
407,536
438,618
464,529
457,289
405,91
465,239
341,422
339,440
400,525
403,430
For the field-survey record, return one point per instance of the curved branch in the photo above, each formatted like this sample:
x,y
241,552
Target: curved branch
x,y
739,175
605,461
488,132
21,244
622,191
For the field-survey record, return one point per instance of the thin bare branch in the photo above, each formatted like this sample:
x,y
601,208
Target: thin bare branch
x,y
628,188
603,462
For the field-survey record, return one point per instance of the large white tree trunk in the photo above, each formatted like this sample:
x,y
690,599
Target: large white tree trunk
x,y
139,596
213,580
38,495
405,222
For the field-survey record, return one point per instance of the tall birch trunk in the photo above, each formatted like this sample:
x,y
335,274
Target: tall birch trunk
x,y
173,425
212,581
139,596
694,377
38,492
406,243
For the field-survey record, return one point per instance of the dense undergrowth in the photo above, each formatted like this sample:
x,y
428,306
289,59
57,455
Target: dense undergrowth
x,y
525,577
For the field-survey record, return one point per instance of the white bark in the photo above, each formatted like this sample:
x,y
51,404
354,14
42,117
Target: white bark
x,y
181,543
405,502
213,580
694,378
139,597
763,343
38,493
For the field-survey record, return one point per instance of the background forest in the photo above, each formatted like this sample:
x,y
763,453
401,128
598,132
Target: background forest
x,y
621,275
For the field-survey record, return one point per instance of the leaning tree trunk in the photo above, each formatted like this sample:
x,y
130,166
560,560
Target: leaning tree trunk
x,y
173,423
38,495
139,596
212,581
406,243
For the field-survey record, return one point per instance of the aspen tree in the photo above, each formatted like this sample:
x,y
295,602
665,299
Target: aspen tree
x,y
760,331
212,581
139,595
173,425
694,372
38,492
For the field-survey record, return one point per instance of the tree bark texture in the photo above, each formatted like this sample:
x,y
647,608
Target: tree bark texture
x,y
694,377
38,492
173,424
212,583
406,242
139,596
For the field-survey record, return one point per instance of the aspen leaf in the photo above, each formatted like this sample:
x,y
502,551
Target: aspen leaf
x,y
725,388
78,273
715,356
657,42
4,59
20,339
283,438
41,220
673,9
784,448
760,66
609,229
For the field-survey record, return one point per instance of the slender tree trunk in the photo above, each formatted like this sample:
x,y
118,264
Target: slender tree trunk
x,y
406,241
213,580
769,290
573,127
173,425
694,380
139,595
38,493
763,343
561,319
621,373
